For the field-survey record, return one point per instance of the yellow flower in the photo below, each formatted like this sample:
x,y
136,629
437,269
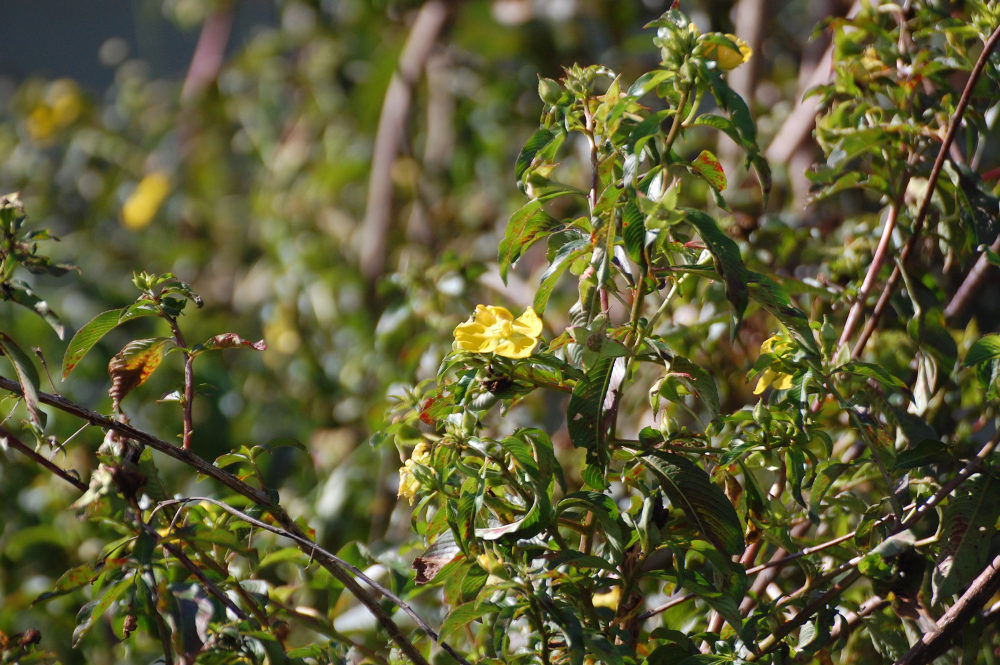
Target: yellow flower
x,y
495,329
778,380
408,483
142,205
725,57
608,599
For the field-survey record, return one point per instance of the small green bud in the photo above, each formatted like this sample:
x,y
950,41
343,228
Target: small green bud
x,y
550,91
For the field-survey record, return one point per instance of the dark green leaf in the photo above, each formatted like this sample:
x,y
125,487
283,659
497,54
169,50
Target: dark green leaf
x,y
21,293
689,488
526,226
586,419
728,262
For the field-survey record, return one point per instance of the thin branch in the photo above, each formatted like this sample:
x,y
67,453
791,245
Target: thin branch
x,y
878,259
925,202
430,21
20,447
772,641
949,626
970,285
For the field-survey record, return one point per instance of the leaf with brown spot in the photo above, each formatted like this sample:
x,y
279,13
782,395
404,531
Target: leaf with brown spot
x,y
134,364
708,167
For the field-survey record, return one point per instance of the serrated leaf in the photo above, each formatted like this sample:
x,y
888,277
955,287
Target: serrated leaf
x,y
689,488
728,262
709,168
92,332
27,376
585,416
131,366
967,527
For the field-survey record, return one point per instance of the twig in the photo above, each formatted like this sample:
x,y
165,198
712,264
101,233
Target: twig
x,y
877,260
188,384
950,625
970,285
391,131
20,447
772,641
925,202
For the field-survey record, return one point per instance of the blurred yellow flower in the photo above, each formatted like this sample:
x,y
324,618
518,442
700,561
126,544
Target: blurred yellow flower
x,y
725,57
777,380
60,107
408,483
142,205
495,329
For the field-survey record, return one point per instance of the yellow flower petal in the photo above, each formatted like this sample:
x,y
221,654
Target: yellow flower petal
x,y
779,380
528,323
782,381
516,346
472,336
727,57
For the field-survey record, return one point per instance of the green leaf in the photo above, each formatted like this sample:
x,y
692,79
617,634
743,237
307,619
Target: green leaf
x,y
538,141
967,527
708,167
586,419
27,376
96,608
986,348
773,298
874,372
526,226
634,232
689,488
92,332
21,293
604,509
697,381
728,262
463,615
563,259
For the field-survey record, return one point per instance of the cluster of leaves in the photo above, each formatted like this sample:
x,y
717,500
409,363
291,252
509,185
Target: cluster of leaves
x,y
638,540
